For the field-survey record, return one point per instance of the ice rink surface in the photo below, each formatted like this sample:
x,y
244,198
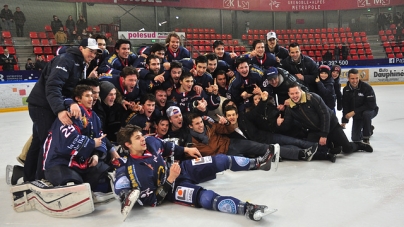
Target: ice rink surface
x,y
360,189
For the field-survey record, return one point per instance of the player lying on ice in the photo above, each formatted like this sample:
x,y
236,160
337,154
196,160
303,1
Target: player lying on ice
x,y
145,176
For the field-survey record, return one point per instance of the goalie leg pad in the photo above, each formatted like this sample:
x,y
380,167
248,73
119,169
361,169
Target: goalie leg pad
x,y
62,201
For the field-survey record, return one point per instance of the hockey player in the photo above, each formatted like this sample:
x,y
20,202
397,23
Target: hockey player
x,y
73,153
146,176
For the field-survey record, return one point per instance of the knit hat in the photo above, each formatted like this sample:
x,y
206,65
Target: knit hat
x,y
105,88
172,110
336,68
324,68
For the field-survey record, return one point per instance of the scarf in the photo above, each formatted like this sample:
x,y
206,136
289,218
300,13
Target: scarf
x,y
200,136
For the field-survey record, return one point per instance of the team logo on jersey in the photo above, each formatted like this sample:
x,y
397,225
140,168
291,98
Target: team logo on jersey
x,y
227,206
202,161
242,161
184,194
265,83
84,120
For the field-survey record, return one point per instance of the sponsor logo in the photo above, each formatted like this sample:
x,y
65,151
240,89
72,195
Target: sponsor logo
x,y
62,68
184,194
201,161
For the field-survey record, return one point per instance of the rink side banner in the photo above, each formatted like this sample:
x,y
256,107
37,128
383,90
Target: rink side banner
x,y
258,5
15,94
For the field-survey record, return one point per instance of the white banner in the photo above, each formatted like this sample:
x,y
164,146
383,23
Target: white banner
x,y
146,35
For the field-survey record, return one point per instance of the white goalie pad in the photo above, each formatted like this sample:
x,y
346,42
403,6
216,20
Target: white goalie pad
x,y
62,201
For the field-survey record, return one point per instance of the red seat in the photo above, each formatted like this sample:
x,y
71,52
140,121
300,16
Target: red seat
x,y
211,31
352,52
364,39
361,52
355,57
97,29
396,49
388,32
53,42
386,44
250,32
89,28
229,36
359,46
350,40
358,39
33,35
35,42
201,30
38,50
255,32
391,56
323,30
349,34
370,56
16,67
1,50
243,37
47,50
11,50
50,35
362,57
318,30
8,42
44,42
399,55
6,34
368,51
389,50
108,34
306,31
341,29
42,35
329,30
48,28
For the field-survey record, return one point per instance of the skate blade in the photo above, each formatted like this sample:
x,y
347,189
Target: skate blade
x,y
133,198
277,153
9,174
258,216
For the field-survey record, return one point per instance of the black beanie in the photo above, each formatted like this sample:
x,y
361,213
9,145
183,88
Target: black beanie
x,y
105,88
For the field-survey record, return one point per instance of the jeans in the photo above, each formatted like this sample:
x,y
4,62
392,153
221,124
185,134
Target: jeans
x,y
361,128
287,140
246,148
7,25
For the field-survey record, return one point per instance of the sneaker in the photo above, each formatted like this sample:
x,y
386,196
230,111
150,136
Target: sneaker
x,y
22,162
364,147
264,162
309,152
128,200
366,141
256,212
331,157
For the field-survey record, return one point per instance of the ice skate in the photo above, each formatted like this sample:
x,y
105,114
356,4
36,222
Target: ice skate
x,y
13,174
128,200
256,212
265,162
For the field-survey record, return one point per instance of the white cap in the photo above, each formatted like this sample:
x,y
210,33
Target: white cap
x,y
271,35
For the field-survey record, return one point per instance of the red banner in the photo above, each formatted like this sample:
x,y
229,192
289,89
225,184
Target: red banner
x,y
259,5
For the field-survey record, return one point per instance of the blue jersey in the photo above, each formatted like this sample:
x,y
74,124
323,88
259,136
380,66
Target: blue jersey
x,y
178,55
185,100
238,84
73,145
113,64
147,172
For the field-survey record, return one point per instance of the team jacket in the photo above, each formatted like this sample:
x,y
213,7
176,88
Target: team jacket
x,y
265,62
238,84
57,81
279,51
114,65
227,58
185,100
312,113
307,67
178,55
73,145
117,81
358,100
147,172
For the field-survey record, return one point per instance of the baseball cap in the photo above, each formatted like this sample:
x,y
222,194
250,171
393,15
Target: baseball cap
x,y
172,110
271,35
90,43
271,72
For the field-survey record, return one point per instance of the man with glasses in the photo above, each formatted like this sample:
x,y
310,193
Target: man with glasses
x,y
274,48
50,98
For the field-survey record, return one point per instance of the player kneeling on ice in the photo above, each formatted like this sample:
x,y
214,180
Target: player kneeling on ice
x,y
147,178
74,153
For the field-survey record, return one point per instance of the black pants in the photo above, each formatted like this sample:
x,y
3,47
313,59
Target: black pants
x,y
42,119
337,137
20,29
61,175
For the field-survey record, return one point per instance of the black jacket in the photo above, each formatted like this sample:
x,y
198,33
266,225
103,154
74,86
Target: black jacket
x,y
338,94
307,67
312,113
57,81
358,100
326,91
279,51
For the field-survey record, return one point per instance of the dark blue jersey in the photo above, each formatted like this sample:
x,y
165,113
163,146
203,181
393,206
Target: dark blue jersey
x,y
73,145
